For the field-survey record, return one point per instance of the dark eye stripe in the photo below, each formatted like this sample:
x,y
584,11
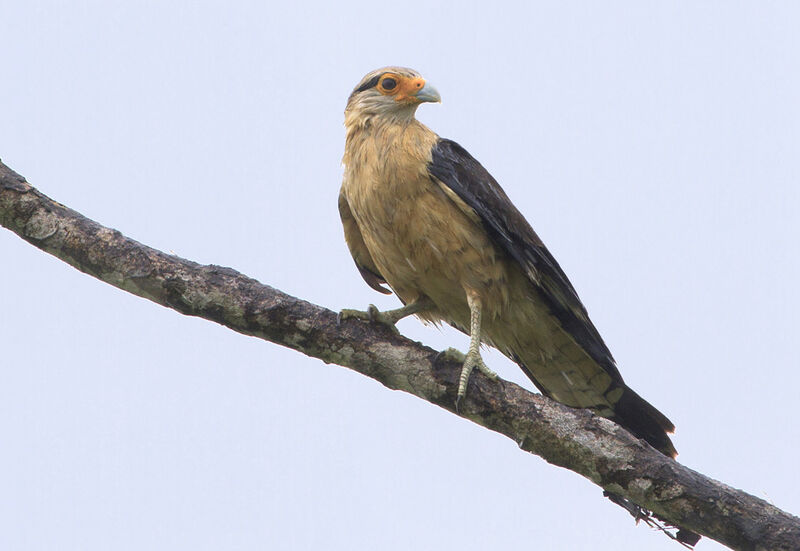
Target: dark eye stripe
x,y
369,84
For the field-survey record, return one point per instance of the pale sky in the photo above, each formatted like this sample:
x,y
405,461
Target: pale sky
x,y
654,146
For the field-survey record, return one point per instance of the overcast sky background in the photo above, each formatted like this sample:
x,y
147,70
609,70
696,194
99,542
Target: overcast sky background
x,y
654,146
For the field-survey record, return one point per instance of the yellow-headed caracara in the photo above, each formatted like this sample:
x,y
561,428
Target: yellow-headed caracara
x,y
423,216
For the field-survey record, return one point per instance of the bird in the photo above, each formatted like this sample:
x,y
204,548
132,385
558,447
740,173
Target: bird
x,y
424,219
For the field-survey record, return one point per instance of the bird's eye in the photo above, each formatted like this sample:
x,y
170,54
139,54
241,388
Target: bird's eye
x,y
388,83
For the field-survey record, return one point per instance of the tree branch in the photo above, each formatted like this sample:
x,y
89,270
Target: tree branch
x,y
574,439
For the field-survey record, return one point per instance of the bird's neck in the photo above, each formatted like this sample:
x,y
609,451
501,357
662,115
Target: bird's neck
x,y
373,137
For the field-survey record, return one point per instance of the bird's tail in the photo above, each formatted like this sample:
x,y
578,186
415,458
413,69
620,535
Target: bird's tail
x,y
643,420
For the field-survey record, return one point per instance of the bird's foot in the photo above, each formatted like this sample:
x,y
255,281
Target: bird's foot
x,y
388,318
471,360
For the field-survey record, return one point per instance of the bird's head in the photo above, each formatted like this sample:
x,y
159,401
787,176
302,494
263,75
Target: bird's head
x,y
392,92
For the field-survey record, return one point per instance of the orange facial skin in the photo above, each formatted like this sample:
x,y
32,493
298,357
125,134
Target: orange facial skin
x,y
405,90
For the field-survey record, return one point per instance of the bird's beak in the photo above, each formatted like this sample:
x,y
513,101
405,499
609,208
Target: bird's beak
x,y
428,93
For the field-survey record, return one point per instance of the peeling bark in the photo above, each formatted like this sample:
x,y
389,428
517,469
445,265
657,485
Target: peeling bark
x,y
591,446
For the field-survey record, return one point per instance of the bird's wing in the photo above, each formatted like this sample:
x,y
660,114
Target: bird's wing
x,y
451,166
355,242
454,167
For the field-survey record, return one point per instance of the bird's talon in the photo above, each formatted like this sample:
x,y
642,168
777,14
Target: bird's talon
x,y
472,360
374,314
483,368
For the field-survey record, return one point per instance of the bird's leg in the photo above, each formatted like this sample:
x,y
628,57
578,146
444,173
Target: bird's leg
x,y
473,358
388,317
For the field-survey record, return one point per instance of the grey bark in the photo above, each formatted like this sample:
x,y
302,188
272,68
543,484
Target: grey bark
x,y
591,446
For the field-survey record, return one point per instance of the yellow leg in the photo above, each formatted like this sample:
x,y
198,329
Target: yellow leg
x,y
473,358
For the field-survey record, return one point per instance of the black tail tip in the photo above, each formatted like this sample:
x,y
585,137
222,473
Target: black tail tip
x,y
687,537
643,420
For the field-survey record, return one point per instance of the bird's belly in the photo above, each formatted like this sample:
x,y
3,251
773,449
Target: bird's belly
x,y
424,245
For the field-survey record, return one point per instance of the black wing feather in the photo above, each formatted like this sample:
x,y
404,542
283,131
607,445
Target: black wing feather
x,y
463,174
